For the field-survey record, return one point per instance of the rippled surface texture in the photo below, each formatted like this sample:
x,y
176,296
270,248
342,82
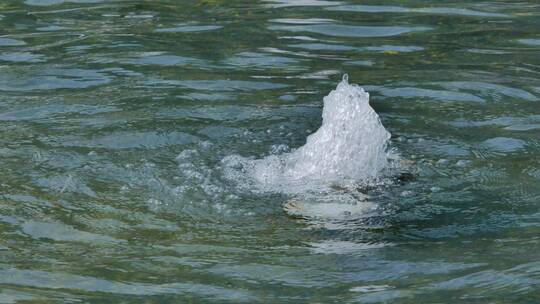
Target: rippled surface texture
x,y
116,118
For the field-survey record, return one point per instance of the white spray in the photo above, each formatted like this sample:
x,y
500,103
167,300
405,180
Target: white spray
x,y
349,147
350,144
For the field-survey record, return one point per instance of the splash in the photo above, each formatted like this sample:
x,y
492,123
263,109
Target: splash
x,y
350,148
328,178
350,144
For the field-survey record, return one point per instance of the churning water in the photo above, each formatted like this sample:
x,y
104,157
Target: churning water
x,y
210,151
351,144
347,154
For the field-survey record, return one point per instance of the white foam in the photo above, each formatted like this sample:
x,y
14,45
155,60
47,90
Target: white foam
x,y
350,144
326,178
349,148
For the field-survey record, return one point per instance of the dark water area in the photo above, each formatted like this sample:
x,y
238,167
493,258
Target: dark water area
x,y
115,118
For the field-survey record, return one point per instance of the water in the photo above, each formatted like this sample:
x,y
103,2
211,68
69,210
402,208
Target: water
x,y
124,126
350,148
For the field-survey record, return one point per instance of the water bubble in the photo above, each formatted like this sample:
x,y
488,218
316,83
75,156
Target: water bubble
x,y
279,149
462,163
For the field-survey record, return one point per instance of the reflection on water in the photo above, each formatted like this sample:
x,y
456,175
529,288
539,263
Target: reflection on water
x,y
188,28
338,30
421,10
116,118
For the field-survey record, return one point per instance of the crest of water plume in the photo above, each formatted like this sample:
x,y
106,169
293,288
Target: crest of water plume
x,y
350,144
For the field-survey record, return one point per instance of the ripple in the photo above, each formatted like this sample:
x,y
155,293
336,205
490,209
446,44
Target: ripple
x,y
277,274
337,30
370,8
458,11
302,21
51,28
11,42
219,132
323,74
217,113
340,47
66,184
289,3
8,296
344,247
57,280
370,288
506,121
56,2
185,28
302,38
487,51
158,58
361,62
523,127
299,54
323,47
207,97
200,249
532,42
224,85
504,144
22,57
260,60
50,79
441,95
423,10
520,279
490,87
127,140
43,112
393,48
63,233
384,296
443,148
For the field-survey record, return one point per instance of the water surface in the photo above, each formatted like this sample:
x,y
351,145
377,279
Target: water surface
x,y
115,118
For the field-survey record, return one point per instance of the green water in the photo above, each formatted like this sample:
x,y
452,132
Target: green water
x,y
115,117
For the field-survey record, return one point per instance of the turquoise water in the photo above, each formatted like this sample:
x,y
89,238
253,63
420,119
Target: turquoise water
x,y
116,116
